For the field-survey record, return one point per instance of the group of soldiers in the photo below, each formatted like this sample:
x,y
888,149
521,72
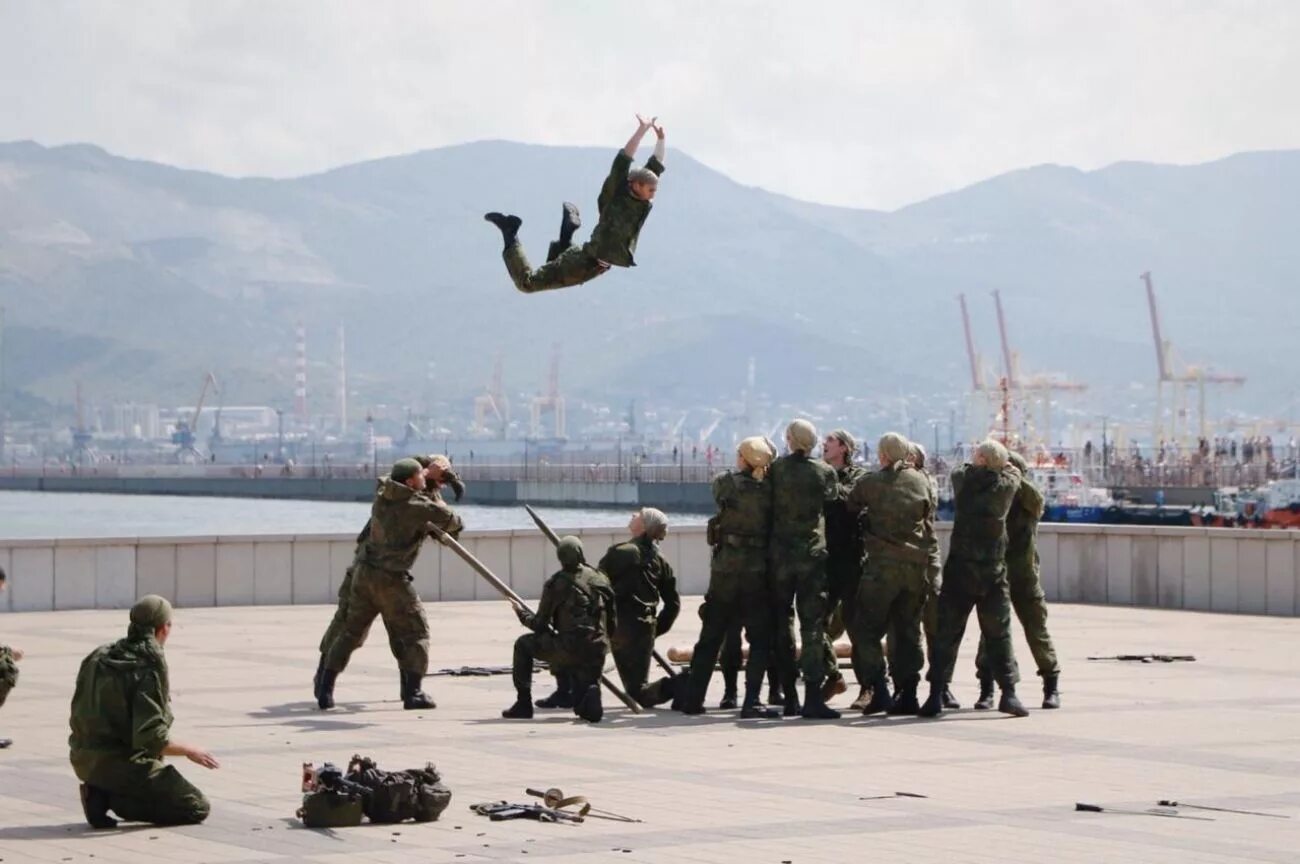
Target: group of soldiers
x,y
828,545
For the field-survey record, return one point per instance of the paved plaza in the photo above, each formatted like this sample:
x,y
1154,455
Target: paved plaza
x,y
1223,731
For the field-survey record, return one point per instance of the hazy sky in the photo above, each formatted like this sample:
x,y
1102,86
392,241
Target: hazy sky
x,y
859,103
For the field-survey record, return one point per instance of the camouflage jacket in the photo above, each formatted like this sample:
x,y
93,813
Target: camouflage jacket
x,y
982,498
121,709
579,604
641,579
743,524
621,215
897,507
399,521
843,530
800,489
1022,525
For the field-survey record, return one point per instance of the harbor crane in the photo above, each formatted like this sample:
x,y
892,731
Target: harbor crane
x,y
552,402
1031,389
1180,380
84,453
183,434
493,403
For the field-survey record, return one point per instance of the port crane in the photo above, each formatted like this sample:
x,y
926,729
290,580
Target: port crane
x,y
183,434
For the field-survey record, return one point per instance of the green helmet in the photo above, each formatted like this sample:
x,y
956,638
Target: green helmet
x,y
570,553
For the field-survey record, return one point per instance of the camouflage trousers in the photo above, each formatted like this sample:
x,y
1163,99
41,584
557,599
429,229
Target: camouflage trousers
x,y
929,617
800,582
889,602
632,647
982,588
583,662
842,589
147,790
340,618
734,601
565,266
1030,605
375,592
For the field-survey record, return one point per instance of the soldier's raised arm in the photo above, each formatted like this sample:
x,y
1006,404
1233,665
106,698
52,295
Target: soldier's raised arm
x,y
440,514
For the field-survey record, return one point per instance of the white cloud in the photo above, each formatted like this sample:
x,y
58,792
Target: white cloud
x,y
865,104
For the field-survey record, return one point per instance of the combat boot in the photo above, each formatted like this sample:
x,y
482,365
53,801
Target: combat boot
x,y
315,679
950,701
729,690
1051,695
753,709
94,803
523,707
563,695
413,696
880,699
905,704
933,706
509,226
325,689
6,743
775,692
792,707
570,221
1010,703
985,700
864,697
588,706
814,706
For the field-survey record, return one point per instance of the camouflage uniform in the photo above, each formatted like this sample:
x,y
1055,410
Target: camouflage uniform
x,y
8,673
738,587
121,718
843,566
571,626
612,243
381,578
801,486
641,579
1024,584
898,502
975,574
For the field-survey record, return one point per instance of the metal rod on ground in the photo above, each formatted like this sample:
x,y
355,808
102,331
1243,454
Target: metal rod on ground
x,y
509,593
895,795
555,541
1093,808
1221,809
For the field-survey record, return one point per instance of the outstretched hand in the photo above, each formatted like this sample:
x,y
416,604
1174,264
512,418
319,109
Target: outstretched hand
x,y
644,123
659,129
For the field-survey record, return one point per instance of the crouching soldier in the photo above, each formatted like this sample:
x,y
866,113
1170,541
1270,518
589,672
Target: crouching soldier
x,y
571,630
121,725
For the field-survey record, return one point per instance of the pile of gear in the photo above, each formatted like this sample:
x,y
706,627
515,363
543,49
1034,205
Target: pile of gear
x,y
337,799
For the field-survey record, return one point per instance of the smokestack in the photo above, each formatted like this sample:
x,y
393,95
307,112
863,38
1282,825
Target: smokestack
x,y
300,374
343,384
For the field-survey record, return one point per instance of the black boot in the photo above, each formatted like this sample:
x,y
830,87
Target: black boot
x,y
563,695
509,226
588,706
325,689
94,803
6,743
570,221
905,704
523,707
315,680
880,698
1010,703
950,701
864,699
985,700
661,691
775,692
754,709
729,689
1051,695
814,703
413,696
933,706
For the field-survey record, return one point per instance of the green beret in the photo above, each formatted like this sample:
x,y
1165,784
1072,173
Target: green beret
x,y
405,469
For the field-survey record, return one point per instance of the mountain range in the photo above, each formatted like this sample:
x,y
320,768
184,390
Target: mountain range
x,y
136,278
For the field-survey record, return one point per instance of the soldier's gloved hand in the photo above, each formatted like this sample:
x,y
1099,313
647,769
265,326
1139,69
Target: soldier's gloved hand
x,y
663,625
525,617
452,479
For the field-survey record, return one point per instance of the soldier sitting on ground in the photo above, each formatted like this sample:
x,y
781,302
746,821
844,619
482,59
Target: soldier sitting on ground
x,y
121,724
623,204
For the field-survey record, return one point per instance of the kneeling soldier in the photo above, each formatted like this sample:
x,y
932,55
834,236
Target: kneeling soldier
x,y
571,630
